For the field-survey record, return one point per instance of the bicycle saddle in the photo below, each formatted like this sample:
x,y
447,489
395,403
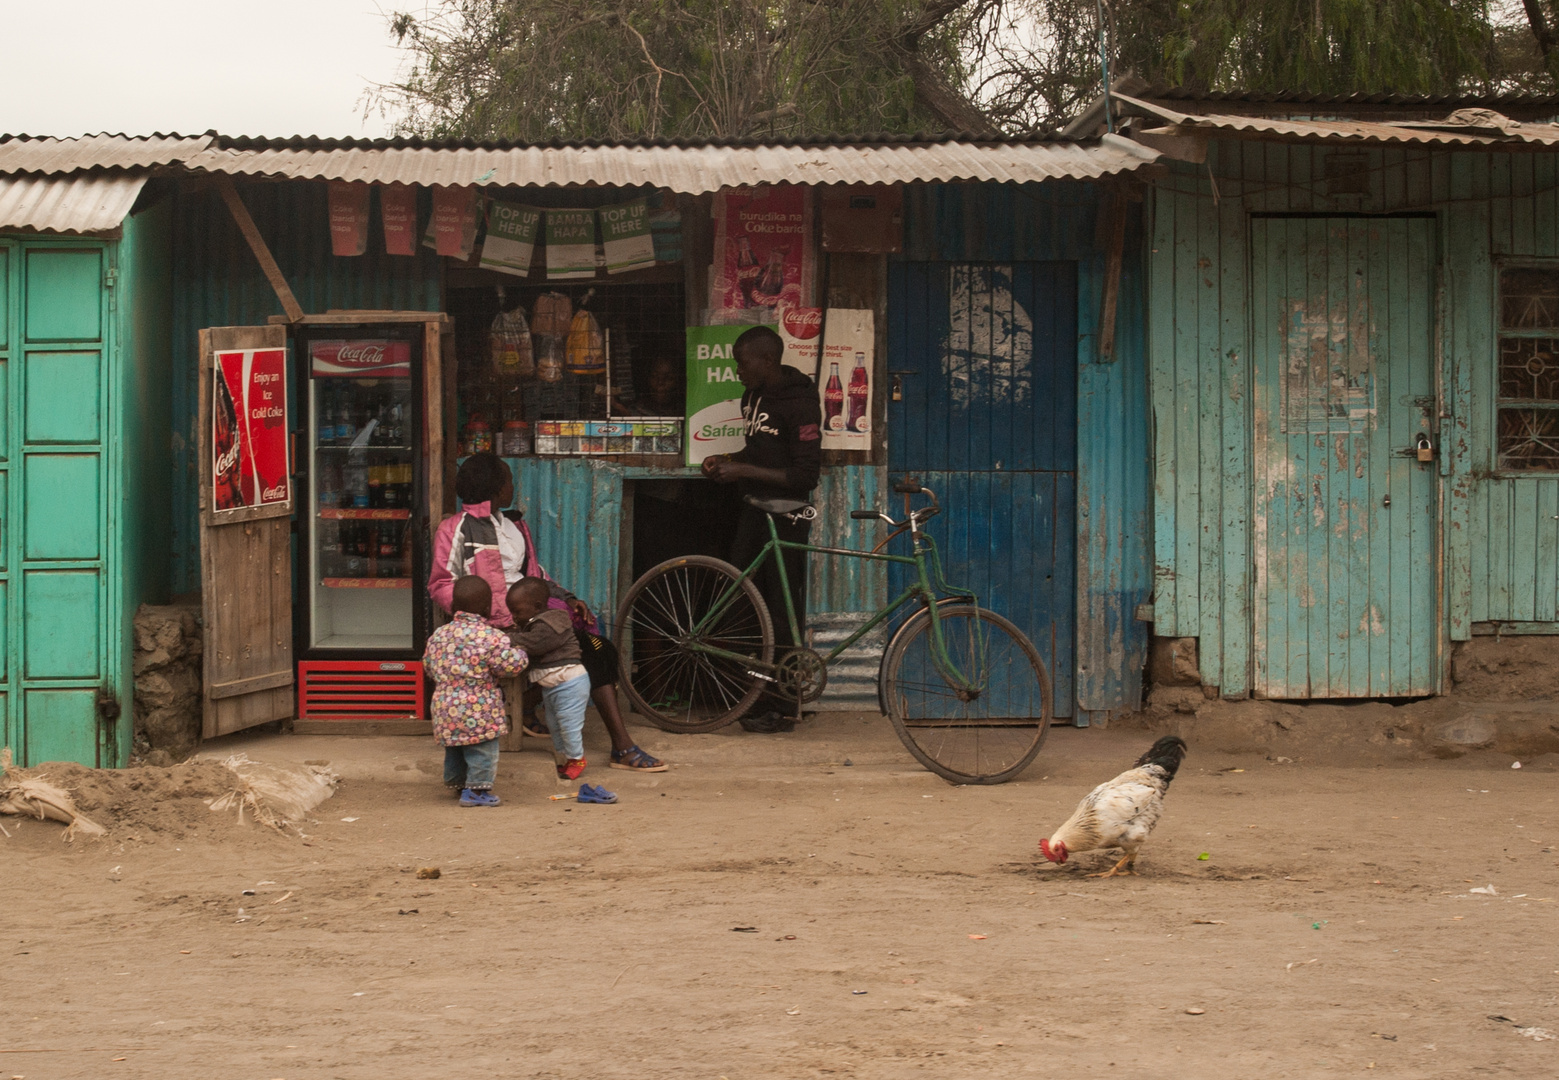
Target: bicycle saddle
x,y
776,505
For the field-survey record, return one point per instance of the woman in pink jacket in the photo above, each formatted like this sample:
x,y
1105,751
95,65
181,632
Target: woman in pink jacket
x,y
494,543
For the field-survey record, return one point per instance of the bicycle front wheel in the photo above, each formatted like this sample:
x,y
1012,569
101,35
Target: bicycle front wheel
x,y
985,732
668,623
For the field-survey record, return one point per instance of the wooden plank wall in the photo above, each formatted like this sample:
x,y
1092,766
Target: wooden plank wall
x,y
1501,535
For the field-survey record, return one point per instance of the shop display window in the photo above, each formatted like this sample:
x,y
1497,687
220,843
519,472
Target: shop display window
x,y
570,368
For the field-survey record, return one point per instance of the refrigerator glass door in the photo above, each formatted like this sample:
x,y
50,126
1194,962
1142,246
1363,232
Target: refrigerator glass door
x,y
363,431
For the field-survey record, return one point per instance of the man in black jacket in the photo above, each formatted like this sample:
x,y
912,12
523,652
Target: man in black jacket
x,y
781,459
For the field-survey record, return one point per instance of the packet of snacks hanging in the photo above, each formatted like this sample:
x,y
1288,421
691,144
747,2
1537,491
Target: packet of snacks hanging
x,y
551,321
509,338
586,352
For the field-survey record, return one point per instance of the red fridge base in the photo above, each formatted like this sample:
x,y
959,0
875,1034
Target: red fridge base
x,y
343,690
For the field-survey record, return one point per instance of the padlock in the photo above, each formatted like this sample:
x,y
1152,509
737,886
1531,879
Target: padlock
x,y
1425,447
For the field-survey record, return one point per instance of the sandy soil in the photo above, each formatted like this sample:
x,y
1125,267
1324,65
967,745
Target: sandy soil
x,y
900,926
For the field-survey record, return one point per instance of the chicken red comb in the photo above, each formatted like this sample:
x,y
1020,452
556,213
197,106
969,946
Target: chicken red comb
x,y
1055,854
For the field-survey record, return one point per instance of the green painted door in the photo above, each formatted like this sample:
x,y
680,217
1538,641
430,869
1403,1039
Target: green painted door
x,y
1344,515
55,351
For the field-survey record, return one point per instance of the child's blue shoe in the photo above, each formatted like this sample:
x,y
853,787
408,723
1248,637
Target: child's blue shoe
x,y
592,793
478,798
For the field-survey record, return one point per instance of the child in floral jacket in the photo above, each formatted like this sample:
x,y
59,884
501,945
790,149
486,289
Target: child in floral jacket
x,y
466,658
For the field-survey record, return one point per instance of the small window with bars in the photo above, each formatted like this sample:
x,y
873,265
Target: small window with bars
x,y
1528,401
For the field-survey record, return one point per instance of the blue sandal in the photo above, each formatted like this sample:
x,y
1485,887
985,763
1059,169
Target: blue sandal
x,y
593,793
637,760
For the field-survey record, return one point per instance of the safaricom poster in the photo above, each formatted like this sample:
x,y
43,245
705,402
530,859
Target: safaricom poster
x,y
714,394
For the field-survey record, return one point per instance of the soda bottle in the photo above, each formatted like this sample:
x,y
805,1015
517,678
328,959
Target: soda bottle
x,y
376,486
860,396
833,400
389,549
772,282
746,269
226,472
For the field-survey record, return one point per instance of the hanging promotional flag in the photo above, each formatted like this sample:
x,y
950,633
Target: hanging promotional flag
x,y
570,244
625,236
348,218
511,237
249,465
714,394
454,220
763,252
398,212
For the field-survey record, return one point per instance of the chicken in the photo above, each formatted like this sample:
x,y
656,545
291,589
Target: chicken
x,y
1120,813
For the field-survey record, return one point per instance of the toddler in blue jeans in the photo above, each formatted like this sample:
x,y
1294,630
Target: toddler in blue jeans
x,y
466,658
547,635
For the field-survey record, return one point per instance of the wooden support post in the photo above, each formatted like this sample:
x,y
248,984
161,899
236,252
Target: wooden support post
x,y
1112,277
433,445
246,225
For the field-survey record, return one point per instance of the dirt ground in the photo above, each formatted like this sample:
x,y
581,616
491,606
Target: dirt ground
x,y
801,905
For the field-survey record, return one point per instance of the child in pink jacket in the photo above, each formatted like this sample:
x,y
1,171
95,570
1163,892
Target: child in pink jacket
x,y
466,658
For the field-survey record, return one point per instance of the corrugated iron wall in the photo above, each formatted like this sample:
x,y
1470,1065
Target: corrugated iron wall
x,y
217,282
574,507
1500,537
1059,221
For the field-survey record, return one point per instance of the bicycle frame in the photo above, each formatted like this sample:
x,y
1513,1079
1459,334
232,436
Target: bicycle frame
x,y
923,547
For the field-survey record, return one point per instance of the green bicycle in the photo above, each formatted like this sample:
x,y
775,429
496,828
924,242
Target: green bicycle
x,y
966,691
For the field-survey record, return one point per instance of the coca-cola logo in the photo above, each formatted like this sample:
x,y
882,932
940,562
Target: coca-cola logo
x,y
227,459
803,323
363,355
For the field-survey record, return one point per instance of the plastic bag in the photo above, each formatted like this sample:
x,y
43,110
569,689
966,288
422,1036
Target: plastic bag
x,y
549,357
586,345
552,315
509,337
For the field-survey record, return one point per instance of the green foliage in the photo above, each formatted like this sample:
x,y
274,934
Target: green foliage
x,y
1317,46
580,69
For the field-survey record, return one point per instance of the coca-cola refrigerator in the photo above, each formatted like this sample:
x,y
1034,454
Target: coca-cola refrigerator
x,y
363,618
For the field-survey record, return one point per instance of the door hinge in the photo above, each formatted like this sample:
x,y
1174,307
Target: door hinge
x,y
110,277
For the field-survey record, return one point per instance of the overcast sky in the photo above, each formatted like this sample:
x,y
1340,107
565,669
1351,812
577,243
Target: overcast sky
x,y
243,67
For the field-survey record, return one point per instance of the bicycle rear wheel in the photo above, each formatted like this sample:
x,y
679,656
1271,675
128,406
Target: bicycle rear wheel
x,y
665,673
984,735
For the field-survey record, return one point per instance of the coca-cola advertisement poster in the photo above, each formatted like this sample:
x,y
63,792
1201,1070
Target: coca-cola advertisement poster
x,y
844,379
360,359
763,253
249,465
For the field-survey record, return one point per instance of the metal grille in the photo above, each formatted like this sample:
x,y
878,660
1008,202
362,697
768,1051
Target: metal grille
x,y
360,690
642,322
1528,427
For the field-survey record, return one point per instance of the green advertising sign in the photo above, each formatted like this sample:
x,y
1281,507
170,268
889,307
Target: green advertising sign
x,y
714,395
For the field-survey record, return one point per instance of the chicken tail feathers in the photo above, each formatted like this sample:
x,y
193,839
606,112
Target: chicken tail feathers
x,y
1167,754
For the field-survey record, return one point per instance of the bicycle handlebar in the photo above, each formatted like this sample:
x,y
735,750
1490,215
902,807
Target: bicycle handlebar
x,y
916,517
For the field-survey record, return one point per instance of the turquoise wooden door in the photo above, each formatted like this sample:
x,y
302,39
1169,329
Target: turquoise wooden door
x,y
1344,515
56,678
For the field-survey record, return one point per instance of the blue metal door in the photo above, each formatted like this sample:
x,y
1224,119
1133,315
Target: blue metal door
x,y
983,409
1344,538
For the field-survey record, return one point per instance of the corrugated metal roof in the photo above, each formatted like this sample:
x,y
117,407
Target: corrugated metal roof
x,y
92,203
688,168
29,154
1465,128
1301,97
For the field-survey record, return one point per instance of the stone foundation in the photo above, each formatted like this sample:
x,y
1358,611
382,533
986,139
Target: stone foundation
x,y
167,679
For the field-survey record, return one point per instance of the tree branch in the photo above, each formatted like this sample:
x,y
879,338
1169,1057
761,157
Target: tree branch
x,y
1538,20
932,90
